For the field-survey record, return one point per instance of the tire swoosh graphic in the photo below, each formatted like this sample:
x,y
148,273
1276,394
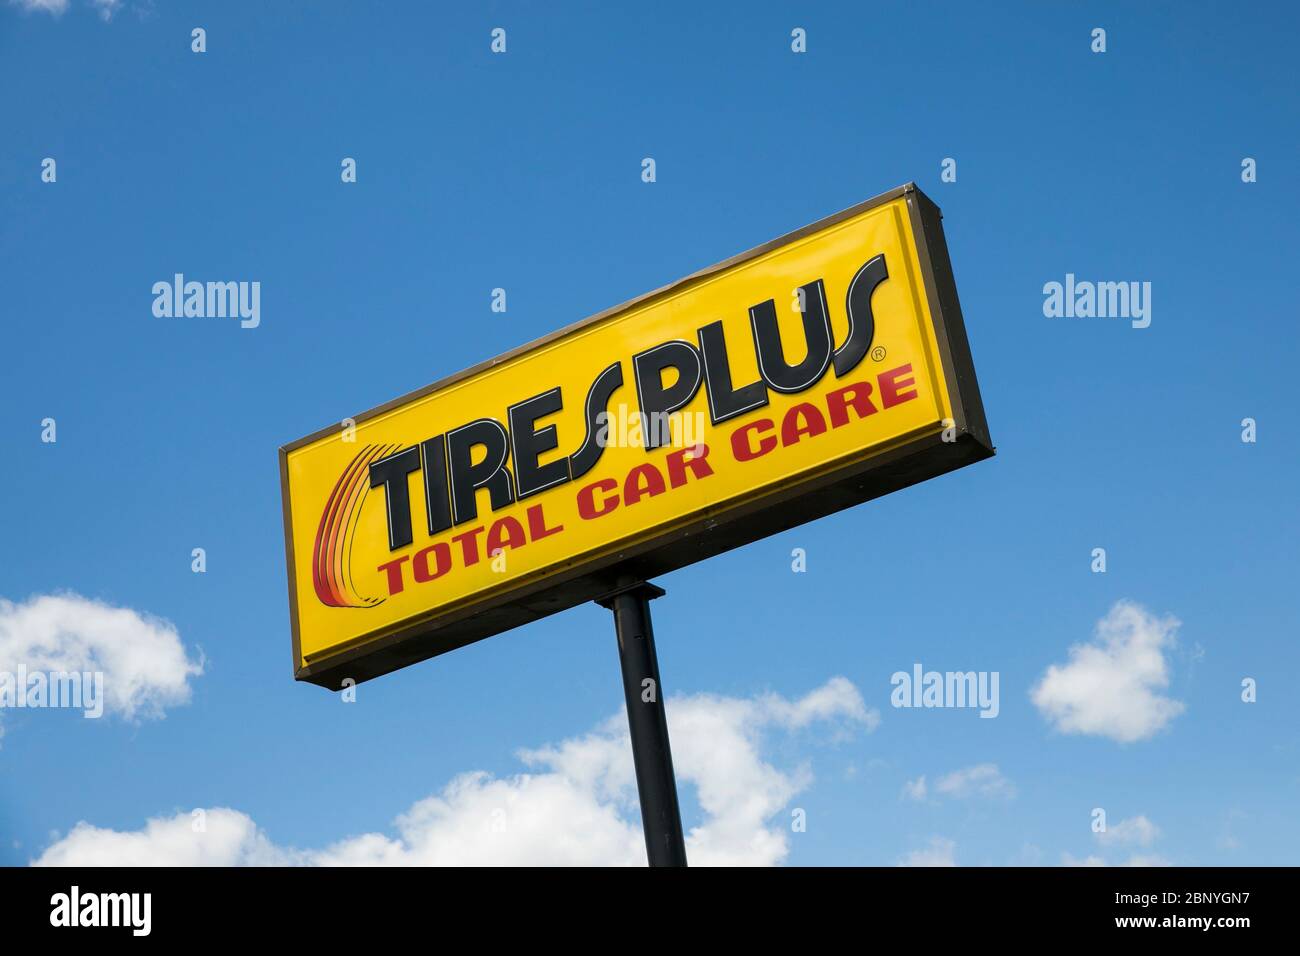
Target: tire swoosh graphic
x,y
331,574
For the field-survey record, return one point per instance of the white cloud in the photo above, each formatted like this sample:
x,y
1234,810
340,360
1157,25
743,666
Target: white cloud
x,y
1030,855
939,852
1137,831
55,7
1136,860
1110,687
576,805
231,839
145,666
982,780
105,8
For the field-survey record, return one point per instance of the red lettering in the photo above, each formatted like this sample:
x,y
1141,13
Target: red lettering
x,y
587,507
505,532
537,529
792,430
394,571
856,395
634,490
890,394
678,464
420,562
468,545
741,446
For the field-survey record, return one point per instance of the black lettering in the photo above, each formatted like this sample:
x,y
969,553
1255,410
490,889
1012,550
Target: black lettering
x,y
816,330
658,402
725,401
862,323
490,473
527,444
437,503
391,472
585,458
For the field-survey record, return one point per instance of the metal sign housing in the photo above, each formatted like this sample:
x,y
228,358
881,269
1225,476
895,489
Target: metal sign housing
x,y
822,369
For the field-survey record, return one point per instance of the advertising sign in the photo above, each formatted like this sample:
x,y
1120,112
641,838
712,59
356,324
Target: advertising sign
x,y
812,373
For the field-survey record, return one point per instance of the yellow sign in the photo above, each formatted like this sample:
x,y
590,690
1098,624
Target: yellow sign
x,y
819,370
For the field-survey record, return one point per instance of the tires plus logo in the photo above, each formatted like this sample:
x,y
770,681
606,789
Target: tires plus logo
x,y
331,556
503,455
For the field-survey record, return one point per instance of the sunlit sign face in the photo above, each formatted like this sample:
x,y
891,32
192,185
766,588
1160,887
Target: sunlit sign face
x,y
812,373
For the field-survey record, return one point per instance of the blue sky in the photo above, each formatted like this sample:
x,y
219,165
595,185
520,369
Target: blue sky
x,y
522,171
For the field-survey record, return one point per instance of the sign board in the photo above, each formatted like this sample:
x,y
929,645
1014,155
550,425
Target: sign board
x,y
812,373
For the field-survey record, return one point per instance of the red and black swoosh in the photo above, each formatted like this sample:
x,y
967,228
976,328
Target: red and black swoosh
x,y
331,565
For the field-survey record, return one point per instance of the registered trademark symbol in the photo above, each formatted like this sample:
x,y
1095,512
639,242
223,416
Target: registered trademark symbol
x,y
878,354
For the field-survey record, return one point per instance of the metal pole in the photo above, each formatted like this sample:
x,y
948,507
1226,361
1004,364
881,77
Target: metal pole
x,y
651,753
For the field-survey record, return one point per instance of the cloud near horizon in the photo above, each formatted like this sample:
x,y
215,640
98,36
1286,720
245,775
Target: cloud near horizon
x,y
940,851
575,804
56,8
52,7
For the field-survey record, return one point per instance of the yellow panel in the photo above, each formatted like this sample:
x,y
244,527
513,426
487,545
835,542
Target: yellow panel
x,y
339,527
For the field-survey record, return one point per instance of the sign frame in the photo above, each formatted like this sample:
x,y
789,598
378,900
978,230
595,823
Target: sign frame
x,y
908,463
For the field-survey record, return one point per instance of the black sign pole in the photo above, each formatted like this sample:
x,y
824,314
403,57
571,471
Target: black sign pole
x,y
646,719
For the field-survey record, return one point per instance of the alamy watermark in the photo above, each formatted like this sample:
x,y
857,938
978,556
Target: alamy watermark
x,y
80,690
624,428
922,688
74,908
1103,300
209,300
